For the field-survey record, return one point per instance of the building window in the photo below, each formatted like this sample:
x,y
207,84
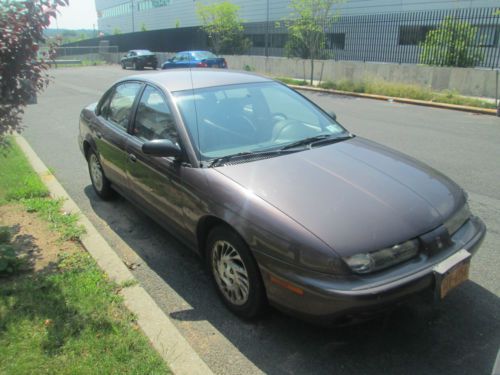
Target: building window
x,y
258,40
413,35
140,5
487,35
335,41
151,4
278,40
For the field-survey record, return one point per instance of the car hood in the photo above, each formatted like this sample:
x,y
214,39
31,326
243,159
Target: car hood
x,y
355,195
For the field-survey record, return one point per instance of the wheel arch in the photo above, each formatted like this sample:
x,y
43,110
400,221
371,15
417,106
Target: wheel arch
x,y
88,146
205,225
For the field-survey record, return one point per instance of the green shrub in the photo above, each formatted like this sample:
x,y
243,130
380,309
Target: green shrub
x,y
5,235
9,261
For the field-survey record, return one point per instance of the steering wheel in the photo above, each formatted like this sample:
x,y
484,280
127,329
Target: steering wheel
x,y
285,126
278,116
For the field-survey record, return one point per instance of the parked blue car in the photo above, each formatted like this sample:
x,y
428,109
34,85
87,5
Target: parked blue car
x,y
195,59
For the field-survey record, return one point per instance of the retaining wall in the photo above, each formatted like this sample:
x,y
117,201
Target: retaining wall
x,y
466,81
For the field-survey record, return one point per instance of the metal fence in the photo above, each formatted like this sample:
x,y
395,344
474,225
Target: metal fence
x,y
393,37
385,37
103,52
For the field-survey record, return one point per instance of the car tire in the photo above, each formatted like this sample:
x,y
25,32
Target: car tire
x,y
235,273
155,67
123,66
100,183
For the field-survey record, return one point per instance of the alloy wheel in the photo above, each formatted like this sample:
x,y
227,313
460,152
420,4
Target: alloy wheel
x,y
230,273
96,172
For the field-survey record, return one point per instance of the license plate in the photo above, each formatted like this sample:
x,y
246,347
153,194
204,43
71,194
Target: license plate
x,y
452,272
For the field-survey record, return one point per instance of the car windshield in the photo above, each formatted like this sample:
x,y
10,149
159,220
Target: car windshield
x,y
201,55
256,117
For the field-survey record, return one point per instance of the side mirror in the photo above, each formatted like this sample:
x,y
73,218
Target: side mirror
x,y
161,147
333,115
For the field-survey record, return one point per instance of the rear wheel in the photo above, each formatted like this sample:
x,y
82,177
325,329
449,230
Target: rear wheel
x,y
235,273
100,183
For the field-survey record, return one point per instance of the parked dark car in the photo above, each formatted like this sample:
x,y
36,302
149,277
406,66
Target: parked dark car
x,y
195,59
283,203
138,59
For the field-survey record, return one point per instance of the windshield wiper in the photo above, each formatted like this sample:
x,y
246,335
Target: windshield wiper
x,y
330,138
223,159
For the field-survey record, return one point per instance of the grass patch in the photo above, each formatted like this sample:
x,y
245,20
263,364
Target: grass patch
x,y
51,211
17,178
397,90
70,321
19,183
292,81
401,90
84,63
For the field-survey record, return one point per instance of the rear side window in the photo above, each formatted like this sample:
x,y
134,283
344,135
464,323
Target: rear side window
x,y
121,104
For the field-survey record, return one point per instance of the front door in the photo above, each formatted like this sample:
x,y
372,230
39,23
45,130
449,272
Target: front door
x,y
156,181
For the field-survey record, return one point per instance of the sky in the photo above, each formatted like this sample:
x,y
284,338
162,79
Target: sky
x,y
80,14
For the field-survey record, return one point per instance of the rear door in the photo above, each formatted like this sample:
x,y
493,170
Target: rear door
x,y
156,181
110,133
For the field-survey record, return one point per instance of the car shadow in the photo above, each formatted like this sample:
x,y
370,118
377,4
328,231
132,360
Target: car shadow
x,y
460,336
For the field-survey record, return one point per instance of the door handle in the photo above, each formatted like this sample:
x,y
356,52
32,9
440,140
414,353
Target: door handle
x,y
132,158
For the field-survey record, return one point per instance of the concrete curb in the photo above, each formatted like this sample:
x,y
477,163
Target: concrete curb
x,y
463,108
162,333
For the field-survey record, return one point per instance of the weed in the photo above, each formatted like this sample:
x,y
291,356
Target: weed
x,y
50,210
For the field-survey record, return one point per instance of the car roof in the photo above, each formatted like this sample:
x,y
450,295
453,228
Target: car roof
x,y
198,50
186,79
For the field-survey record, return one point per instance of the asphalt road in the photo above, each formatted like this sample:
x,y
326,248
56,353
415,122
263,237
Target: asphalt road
x,y
461,336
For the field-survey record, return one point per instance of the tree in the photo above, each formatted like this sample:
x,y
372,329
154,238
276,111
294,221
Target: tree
x,y
23,70
306,28
223,27
451,44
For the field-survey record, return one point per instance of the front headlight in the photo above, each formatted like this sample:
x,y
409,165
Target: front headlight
x,y
377,260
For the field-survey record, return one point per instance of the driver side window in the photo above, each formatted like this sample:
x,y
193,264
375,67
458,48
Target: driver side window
x,y
154,119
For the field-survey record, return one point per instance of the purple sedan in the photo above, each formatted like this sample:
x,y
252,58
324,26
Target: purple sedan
x,y
283,204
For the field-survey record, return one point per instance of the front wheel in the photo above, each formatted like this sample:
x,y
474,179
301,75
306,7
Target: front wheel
x,y
100,183
123,66
235,273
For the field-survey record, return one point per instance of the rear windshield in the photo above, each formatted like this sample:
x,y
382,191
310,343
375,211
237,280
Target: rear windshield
x,y
143,52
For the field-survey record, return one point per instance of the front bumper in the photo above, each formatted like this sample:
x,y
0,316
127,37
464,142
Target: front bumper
x,y
326,298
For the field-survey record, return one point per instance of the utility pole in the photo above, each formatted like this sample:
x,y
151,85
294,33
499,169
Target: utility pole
x,y
133,26
267,30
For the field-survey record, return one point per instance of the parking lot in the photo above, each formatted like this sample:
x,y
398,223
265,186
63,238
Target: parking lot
x,y
461,336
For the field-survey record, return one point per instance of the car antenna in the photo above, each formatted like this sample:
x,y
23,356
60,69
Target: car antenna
x,y
195,107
